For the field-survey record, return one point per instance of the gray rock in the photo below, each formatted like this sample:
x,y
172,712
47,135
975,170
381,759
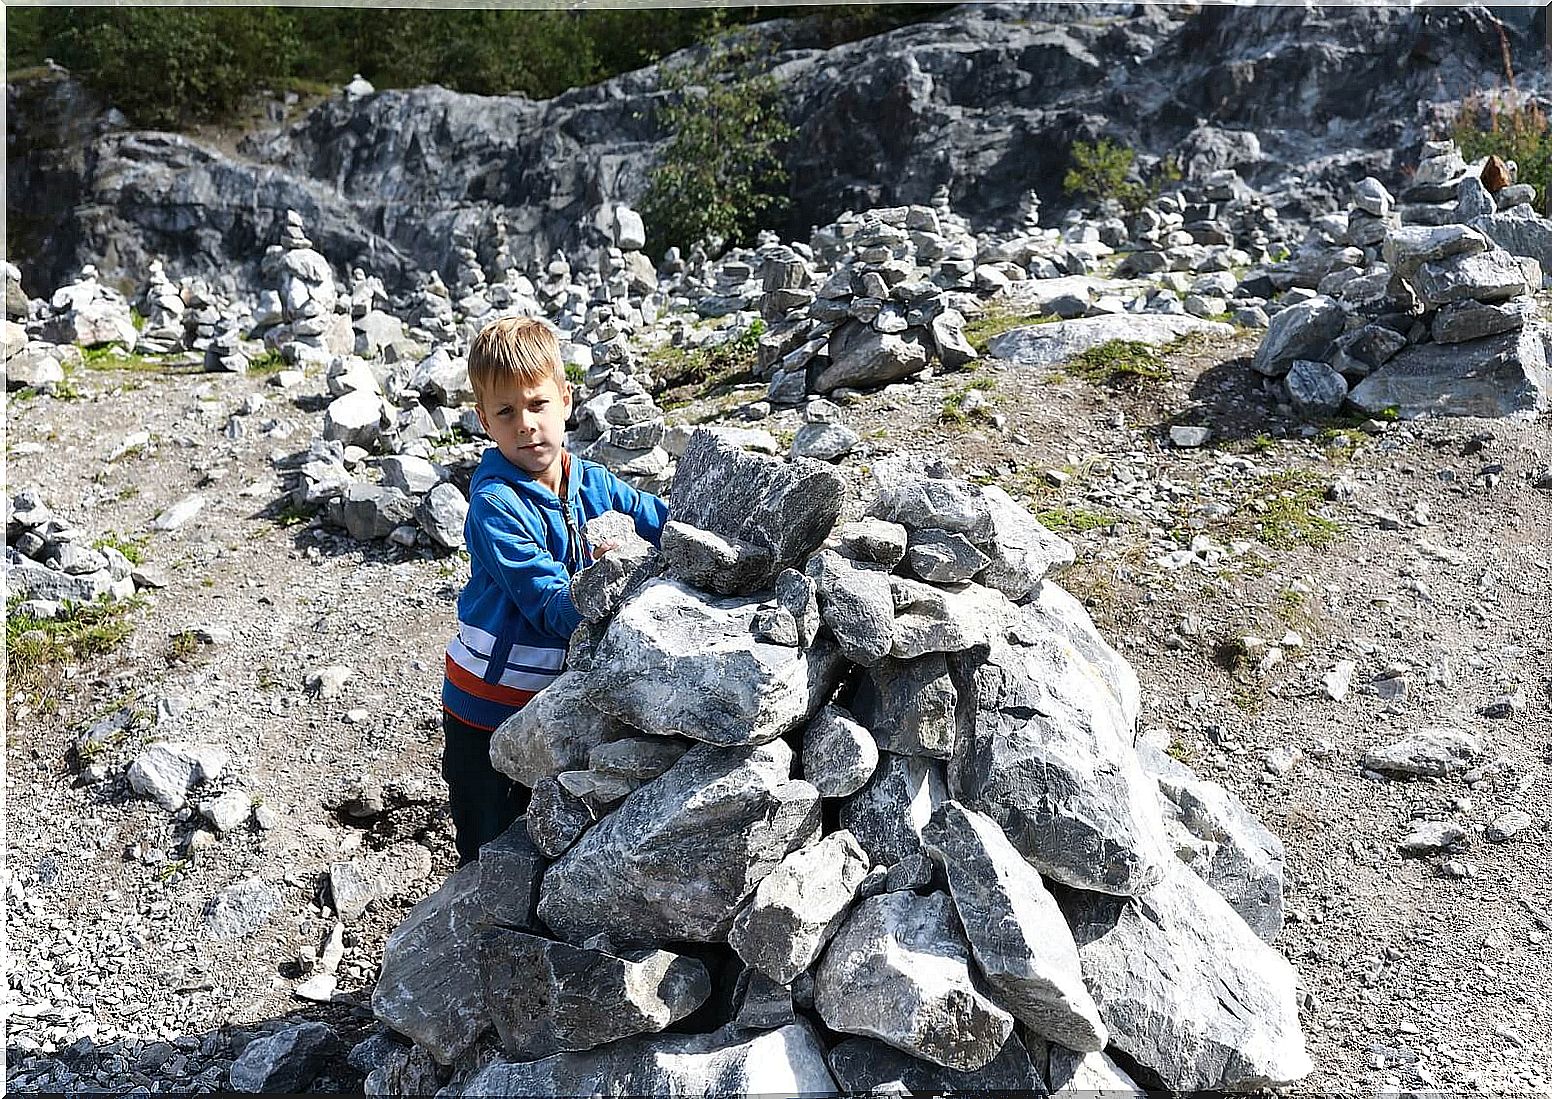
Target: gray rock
x,y
678,857
1314,389
798,906
599,589
673,662
787,508
910,704
825,442
166,771
855,602
862,1066
759,1003
228,812
1520,231
1370,196
1044,345
1496,376
839,755
286,1062
1508,825
707,560
1473,200
1089,1076
935,620
511,868
553,733
862,357
1047,754
1433,752
29,578
547,997
411,475
1427,837
34,368
1022,550
355,884
798,595
428,986
1016,932
356,419
899,971
1054,610
442,379
179,514
917,494
1474,320
1301,331
241,908
1221,840
1186,989
948,335
942,557
730,1061
888,814
1411,246
639,759
372,511
1488,276
441,513
873,541
556,817
1189,436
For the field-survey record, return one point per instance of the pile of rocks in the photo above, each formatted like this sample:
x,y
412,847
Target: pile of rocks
x,y
620,426
976,882
162,306
90,314
49,562
311,329
1434,316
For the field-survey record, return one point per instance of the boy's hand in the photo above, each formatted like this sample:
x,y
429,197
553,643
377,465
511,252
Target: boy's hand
x,y
603,547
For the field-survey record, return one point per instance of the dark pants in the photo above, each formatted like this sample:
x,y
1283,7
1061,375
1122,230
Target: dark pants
x,y
483,801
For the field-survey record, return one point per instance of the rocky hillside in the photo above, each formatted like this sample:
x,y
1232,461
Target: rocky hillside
x,y
985,101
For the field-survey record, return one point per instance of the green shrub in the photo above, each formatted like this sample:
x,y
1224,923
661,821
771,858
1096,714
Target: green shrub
x,y
1103,169
721,176
1512,126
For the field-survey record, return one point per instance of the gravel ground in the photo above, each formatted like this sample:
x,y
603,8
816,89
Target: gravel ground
x,y
1429,570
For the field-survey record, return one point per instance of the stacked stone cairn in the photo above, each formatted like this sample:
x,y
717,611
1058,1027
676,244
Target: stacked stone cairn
x,y
48,562
379,334
1422,307
824,806
34,364
469,280
204,312
315,322
434,320
90,314
162,306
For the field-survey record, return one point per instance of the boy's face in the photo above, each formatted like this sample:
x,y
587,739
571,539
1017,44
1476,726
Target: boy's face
x,y
527,422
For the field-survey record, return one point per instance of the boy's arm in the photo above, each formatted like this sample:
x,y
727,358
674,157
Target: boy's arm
x,y
649,511
523,568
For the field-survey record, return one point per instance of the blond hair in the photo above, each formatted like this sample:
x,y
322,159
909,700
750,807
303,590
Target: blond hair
x,y
526,349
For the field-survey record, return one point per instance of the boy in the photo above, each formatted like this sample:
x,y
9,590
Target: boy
x,y
528,502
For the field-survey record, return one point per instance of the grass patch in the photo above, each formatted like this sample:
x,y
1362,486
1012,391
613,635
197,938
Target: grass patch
x,y
131,548
271,362
1124,364
38,649
996,321
1073,520
1286,517
954,411
685,374
114,358
182,646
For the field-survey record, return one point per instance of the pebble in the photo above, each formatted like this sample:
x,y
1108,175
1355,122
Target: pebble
x,y
1188,437
1508,825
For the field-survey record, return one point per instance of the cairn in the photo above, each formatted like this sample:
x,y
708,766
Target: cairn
x,y
310,330
162,307
49,563
874,781
87,313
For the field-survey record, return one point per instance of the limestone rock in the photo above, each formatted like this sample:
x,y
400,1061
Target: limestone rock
x,y
910,704
1301,331
1496,376
1186,988
1434,752
1046,345
673,662
839,755
166,771
888,814
855,602
286,1062
862,1066
547,997
861,356
899,971
677,858
1016,932
553,733
798,906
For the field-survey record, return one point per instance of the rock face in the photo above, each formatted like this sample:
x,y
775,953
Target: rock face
x,y
899,971
356,160
678,857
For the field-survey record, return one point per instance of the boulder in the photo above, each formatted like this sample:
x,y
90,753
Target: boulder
x,y
798,906
1016,932
286,1062
674,662
839,755
1495,376
899,971
1186,989
1430,753
1302,331
888,814
863,357
855,602
547,997
553,733
678,856
1047,345
910,704
863,1066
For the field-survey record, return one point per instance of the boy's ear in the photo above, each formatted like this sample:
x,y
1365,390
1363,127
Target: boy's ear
x,y
479,410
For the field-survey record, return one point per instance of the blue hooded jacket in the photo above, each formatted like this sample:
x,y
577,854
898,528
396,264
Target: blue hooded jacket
x,y
515,615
